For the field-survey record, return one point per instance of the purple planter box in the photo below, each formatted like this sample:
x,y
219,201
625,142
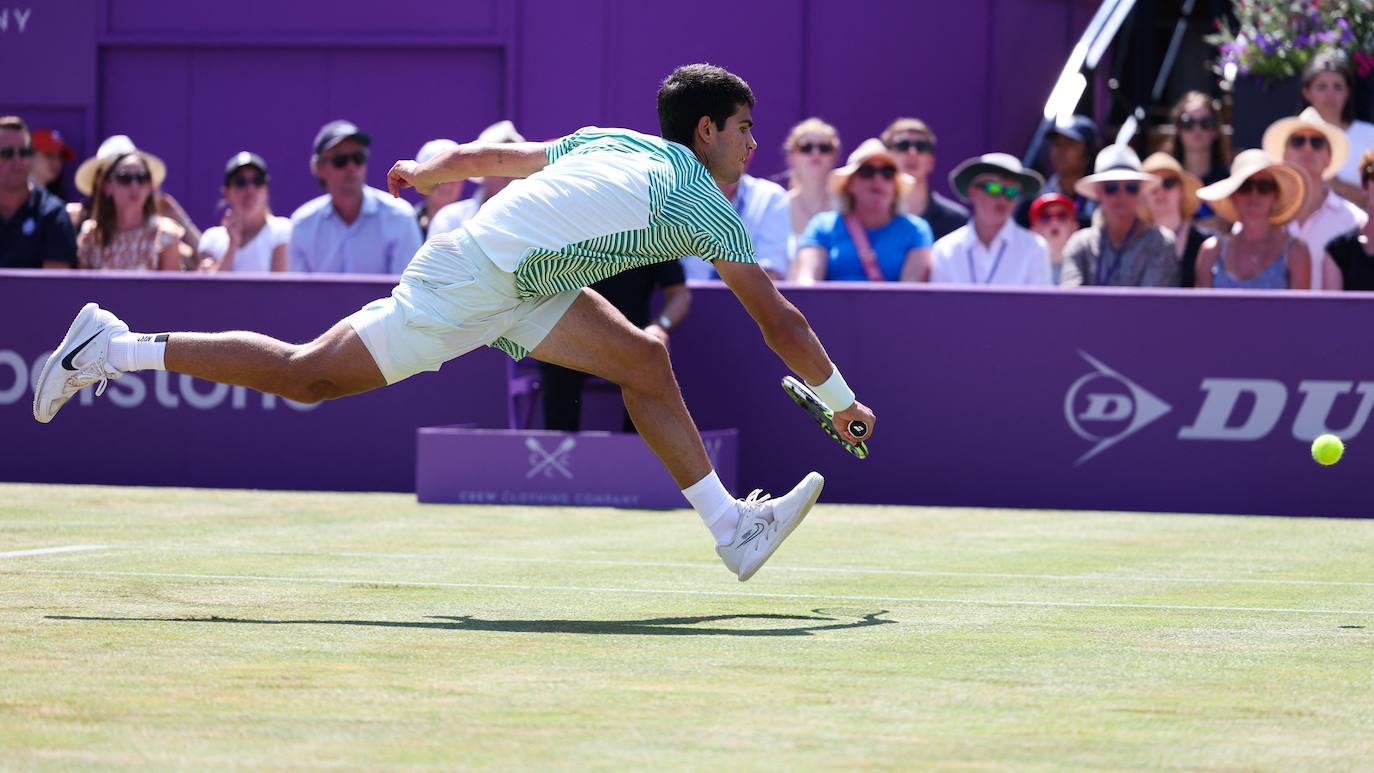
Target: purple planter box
x,y
457,464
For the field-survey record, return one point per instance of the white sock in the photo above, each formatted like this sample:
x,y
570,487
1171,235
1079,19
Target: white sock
x,y
715,506
137,351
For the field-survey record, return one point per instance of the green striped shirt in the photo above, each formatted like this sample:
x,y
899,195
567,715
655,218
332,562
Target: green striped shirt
x,y
608,201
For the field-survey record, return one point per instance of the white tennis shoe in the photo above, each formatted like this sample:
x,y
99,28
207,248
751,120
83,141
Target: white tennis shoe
x,y
764,523
78,362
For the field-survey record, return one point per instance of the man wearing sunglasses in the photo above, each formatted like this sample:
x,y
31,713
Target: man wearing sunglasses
x,y
991,249
353,228
912,144
35,231
1319,150
1125,251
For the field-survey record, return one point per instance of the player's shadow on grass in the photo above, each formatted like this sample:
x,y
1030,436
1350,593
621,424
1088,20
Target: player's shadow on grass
x,y
818,621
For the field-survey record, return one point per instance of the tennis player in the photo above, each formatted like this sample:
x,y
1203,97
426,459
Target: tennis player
x,y
514,277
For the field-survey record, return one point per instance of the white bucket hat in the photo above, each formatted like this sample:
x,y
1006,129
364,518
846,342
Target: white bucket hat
x,y
1115,163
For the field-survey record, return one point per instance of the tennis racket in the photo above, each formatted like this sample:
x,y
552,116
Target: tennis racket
x,y
802,395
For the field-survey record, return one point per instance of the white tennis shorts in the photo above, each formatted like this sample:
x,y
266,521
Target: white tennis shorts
x,y
451,300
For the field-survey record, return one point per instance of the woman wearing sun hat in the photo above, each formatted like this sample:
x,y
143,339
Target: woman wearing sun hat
x,y
1172,204
124,232
1123,250
868,238
1260,197
88,176
1318,149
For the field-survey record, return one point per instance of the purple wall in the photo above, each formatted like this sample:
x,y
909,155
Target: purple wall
x,y
194,83
1095,399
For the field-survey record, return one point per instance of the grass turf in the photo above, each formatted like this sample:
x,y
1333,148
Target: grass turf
x,y
292,630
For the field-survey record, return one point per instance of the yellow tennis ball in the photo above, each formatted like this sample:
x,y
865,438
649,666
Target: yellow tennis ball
x,y
1327,449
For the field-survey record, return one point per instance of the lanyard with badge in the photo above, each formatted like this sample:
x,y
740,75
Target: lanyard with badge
x,y
973,276
1117,255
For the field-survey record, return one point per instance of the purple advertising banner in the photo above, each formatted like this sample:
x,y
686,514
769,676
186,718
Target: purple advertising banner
x,y
1183,400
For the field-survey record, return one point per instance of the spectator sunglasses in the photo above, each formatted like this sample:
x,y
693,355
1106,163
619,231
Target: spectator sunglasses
x,y
823,148
920,146
1060,215
245,181
124,177
995,189
10,152
1317,141
869,171
1206,122
342,160
1262,186
1110,187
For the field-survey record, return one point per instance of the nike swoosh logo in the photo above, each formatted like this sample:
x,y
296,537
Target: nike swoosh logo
x,y
758,529
67,361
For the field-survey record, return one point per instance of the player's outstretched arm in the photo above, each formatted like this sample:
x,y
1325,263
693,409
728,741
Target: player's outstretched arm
x,y
787,333
475,159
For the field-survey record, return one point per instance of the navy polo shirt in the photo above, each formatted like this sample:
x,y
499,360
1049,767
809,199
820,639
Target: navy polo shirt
x,y
39,232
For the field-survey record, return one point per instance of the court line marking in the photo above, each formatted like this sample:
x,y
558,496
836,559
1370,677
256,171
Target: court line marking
x,y
687,592
50,551
782,567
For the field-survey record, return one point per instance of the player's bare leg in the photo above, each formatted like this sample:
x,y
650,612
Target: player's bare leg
x,y
593,337
98,347
336,364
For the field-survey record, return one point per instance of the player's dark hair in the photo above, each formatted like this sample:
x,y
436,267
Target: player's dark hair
x,y
694,90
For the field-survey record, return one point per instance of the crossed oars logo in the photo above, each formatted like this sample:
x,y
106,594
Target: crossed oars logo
x,y
546,462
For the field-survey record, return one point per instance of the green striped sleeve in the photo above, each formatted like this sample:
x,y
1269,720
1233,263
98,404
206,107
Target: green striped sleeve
x,y
561,147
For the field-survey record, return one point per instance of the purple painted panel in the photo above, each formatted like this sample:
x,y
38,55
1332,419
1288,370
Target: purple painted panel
x,y
548,105
52,44
305,17
535,467
640,56
144,93
926,59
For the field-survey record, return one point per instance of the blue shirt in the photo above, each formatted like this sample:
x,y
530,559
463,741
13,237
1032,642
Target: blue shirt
x,y
381,241
892,242
37,233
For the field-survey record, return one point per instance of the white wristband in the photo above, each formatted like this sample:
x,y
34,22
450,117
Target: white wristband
x,y
836,394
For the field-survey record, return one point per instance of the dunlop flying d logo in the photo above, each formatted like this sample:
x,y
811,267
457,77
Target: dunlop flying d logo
x,y
1104,407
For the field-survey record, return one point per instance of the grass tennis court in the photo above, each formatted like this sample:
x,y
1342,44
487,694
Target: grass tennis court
x,y
293,630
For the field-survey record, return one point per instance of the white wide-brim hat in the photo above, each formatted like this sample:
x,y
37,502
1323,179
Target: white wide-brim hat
x,y
1115,163
112,148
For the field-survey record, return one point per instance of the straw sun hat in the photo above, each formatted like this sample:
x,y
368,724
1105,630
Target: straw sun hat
x,y
110,149
1161,165
869,150
1276,138
1248,164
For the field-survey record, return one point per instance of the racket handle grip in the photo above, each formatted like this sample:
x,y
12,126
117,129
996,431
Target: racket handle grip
x,y
858,429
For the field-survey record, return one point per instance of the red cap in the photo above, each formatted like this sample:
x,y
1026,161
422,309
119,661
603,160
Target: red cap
x,y
50,141
1050,200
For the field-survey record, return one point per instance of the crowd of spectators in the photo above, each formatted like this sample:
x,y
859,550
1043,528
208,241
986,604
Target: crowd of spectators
x,y
1291,214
